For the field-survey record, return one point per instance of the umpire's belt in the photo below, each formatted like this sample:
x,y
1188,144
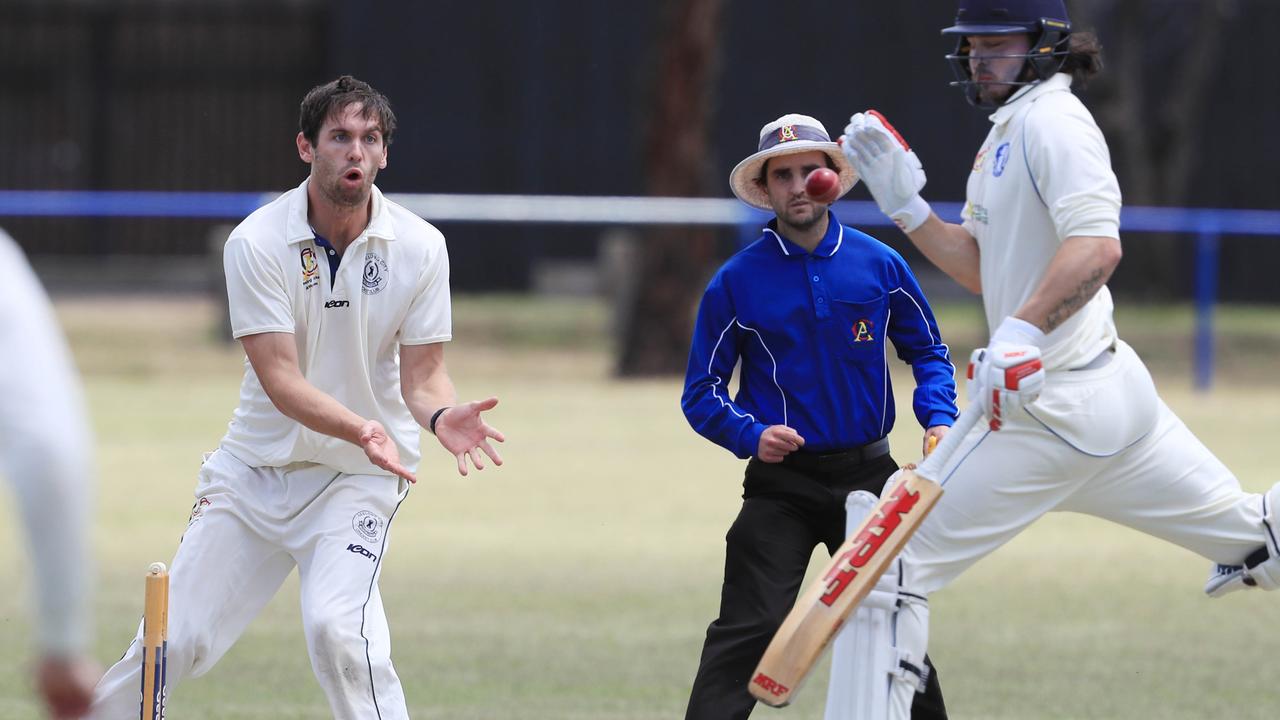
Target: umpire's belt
x,y
831,462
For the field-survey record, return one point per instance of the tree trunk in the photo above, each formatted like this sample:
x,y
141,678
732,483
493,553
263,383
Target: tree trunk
x,y
657,318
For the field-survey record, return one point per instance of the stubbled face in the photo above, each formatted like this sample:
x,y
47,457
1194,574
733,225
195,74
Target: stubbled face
x,y
346,158
989,69
784,184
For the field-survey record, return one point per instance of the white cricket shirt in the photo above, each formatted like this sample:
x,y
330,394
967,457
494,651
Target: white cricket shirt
x,y
1043,175
392,288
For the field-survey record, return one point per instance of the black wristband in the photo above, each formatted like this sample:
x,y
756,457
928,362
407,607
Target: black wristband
x,y
431,426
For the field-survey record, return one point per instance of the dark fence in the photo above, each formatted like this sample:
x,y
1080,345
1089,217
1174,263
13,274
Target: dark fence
x,y
554,98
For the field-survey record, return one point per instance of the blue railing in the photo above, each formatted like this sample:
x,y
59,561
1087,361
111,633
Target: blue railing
x,y
1205,224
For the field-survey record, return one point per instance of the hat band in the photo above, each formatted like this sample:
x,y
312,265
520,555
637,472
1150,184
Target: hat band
x,y
791,133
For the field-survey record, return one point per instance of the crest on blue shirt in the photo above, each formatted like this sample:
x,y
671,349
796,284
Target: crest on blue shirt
x,y
862,331
1002,159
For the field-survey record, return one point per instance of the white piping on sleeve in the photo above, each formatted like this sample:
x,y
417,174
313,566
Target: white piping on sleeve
x,y
774,373
724,402
925,320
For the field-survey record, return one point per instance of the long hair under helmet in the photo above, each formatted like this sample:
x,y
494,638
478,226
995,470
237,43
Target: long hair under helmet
x,y
1045,20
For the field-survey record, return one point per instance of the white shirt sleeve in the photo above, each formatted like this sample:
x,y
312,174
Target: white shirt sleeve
x,y
430,316
46,453
256,292
1071,167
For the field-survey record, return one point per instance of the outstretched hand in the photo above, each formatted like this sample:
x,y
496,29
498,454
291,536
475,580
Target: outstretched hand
x,y
463,433
382,450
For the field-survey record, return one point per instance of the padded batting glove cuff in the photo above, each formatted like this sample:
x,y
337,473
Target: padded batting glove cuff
x,y
1016,331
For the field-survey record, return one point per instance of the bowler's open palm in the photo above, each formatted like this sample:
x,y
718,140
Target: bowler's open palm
x,y
462,431
382,451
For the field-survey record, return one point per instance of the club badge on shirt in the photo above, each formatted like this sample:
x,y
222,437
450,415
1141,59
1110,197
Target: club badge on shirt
x,y
862,331
375,274
979,159
1002,159
310,269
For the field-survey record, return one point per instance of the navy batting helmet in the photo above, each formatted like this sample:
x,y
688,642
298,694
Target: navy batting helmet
x,y
1045,20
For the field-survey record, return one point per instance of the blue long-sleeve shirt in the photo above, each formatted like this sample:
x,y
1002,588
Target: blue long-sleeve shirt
x,y
810,331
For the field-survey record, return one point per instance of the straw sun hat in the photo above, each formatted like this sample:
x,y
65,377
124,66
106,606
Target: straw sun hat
x,y
787,135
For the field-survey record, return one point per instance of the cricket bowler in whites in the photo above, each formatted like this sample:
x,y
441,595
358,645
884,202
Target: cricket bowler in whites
x,y
807,313
46,452
341,300
1074,420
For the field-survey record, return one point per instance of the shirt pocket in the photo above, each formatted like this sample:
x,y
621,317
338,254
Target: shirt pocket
x,y
859,326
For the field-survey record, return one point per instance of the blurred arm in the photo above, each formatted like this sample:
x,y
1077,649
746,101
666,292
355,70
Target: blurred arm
x,y
46,452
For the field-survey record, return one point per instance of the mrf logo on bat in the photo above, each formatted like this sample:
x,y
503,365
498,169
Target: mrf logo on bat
x,y
868,543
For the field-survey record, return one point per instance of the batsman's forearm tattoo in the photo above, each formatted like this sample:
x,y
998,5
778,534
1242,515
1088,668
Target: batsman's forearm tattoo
x,y
1076,300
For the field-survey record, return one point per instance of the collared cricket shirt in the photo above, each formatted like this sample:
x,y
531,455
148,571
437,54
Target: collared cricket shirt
x,y
809,332
391,288
1043,175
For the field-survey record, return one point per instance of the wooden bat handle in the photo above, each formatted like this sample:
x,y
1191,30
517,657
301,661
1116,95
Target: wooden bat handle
x,y
932,465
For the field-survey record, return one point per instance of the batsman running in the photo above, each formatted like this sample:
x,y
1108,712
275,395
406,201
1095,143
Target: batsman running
x,y
807,313
1073,419
340,298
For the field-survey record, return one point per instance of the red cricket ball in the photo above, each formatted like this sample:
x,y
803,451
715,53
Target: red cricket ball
x,y
823,186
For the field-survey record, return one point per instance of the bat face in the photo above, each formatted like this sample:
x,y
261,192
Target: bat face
x,y
870,540
852,572
847,579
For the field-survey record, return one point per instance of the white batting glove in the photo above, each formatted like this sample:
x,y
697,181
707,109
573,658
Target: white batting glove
x,y
1016,331
1004,378
888,166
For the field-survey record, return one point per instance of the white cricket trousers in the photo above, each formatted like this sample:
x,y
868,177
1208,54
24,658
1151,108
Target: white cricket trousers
x,y
1098,442
249,528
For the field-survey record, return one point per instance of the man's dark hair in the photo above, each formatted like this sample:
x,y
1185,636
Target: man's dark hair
x,y
329,100
1084,58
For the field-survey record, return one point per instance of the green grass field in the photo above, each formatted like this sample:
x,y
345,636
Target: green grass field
x,y
577,580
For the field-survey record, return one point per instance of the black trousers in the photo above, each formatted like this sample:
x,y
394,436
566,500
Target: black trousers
x,y
786,512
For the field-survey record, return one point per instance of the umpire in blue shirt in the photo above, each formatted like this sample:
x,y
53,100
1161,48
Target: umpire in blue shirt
x,y
807,310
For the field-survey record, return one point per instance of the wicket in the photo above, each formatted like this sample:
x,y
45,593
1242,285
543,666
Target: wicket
x,y
155,628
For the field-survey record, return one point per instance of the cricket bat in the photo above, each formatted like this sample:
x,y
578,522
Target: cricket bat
x,y
853,571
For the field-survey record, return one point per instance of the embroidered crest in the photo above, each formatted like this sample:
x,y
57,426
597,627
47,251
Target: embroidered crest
x,y
367,525
787,133
978,160
310,268
862,331
197,510
1002,159
375,274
